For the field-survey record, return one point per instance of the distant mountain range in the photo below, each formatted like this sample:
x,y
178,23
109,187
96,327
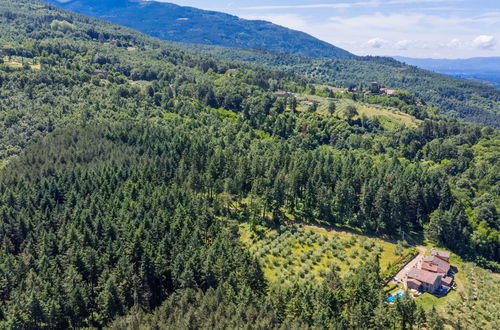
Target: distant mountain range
x,y
481,69
186,24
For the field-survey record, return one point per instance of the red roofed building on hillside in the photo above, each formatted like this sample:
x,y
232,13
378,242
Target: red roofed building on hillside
x,y
414,284
423,280
436,265
282,94
447,282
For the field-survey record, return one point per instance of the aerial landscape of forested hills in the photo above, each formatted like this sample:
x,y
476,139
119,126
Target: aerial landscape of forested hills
x,y
169,21
470,101
265,43
143,186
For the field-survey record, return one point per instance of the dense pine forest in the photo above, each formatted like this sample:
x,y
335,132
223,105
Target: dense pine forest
x,y
127,165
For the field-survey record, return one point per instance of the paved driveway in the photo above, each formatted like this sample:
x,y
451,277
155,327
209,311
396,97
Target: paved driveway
x,y
402,273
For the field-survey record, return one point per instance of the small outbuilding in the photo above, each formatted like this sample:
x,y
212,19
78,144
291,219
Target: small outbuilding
x,y
444,255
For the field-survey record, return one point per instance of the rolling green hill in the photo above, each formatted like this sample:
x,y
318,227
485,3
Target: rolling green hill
x,y
132,173
266,43
470,101
176,23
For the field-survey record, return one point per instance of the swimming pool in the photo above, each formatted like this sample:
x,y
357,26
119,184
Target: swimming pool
x,y
393,297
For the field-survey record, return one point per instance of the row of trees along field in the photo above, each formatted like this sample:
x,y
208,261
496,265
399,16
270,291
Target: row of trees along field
x,y
117,188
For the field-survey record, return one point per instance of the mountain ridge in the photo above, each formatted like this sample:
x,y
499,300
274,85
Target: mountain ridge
x,y
172,22
482,69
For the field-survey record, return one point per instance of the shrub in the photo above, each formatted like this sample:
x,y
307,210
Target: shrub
x,y
368,245
62,26
354,253
400,247
351,241
341,255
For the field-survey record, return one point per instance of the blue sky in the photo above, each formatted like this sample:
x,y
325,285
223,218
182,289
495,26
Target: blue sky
x,y
416,28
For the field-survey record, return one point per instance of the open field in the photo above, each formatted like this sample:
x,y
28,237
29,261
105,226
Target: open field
x,y
308,252
17,62
390,118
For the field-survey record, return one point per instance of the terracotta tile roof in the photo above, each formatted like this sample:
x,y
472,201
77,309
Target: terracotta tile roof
x,y
282,93
442,265
441,254
428,266
447,280
414,281
423,276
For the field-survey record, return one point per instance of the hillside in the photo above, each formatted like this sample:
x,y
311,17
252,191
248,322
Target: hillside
x,y
137,182
186,24
470,101
480,69
473,102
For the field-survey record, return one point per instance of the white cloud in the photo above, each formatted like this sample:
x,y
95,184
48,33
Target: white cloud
x,y
484,42
343,5
403,44
376,43
416,34
454,43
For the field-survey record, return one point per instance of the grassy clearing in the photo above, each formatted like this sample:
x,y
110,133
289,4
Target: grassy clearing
x,y
390,118
17,62
308,252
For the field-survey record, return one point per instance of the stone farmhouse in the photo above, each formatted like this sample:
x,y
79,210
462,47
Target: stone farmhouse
x,y
432,274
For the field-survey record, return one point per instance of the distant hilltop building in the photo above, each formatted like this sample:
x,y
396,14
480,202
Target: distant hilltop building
x,y
387,91
282,94
375,88
102,73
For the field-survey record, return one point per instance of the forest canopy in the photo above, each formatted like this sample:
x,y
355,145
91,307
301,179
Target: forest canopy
x,y
123,157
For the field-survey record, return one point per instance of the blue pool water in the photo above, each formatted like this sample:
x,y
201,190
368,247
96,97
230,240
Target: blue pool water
x,y
393,297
